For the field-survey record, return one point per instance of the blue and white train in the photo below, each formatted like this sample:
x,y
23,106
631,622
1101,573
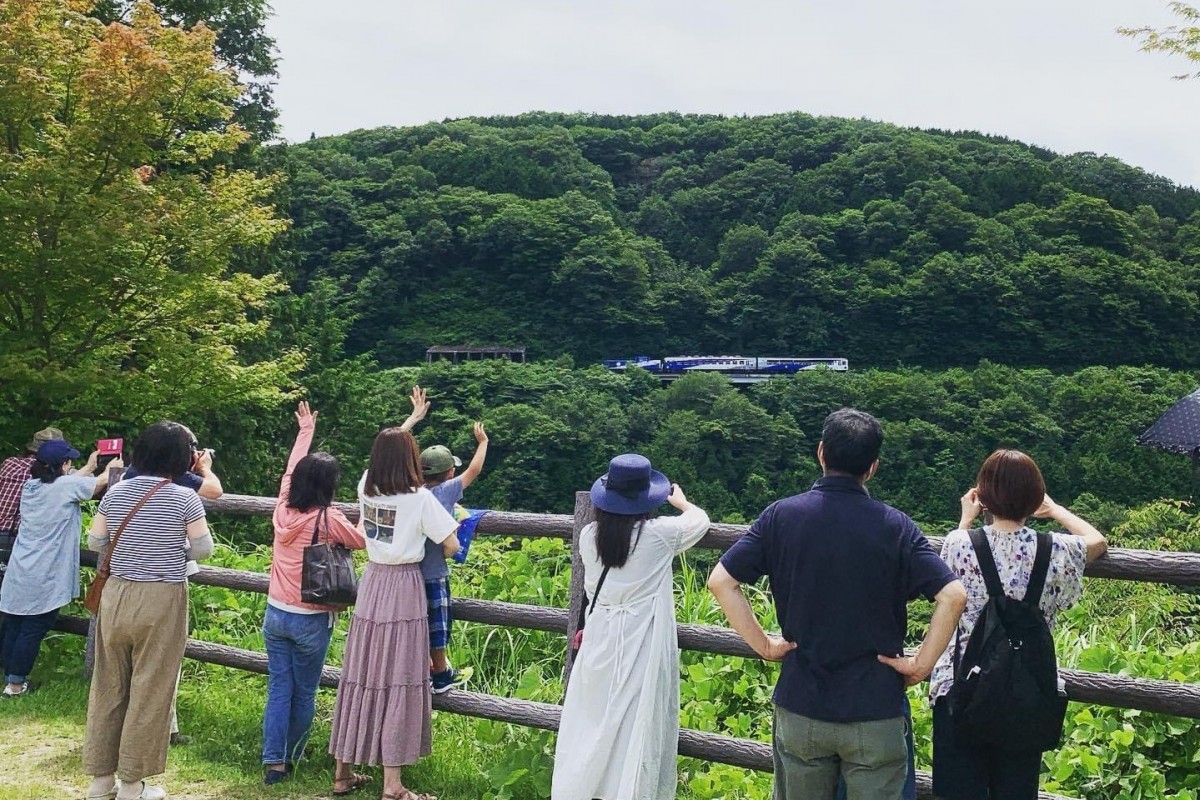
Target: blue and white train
x,y
728,365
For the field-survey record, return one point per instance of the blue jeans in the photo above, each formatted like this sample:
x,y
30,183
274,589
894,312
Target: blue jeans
x,y
296,649
22,638
910,783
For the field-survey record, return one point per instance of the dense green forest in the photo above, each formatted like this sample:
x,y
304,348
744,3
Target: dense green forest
x,y
792,234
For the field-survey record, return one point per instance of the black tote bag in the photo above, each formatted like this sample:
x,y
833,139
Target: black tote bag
x,y
328,577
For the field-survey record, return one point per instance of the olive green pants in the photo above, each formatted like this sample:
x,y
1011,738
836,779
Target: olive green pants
x,y
141,632
810,755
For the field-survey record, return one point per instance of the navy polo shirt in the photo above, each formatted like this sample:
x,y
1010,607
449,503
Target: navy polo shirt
x,y
842,568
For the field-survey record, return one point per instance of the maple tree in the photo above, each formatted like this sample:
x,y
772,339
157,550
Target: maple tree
x,y
117,300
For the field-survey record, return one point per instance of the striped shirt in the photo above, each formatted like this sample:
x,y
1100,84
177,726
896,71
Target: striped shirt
x,y
153,545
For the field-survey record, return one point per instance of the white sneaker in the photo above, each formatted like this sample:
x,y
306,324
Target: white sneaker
x,y
148,793
8,692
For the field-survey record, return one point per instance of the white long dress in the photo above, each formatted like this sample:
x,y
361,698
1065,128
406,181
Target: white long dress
x,y
620,720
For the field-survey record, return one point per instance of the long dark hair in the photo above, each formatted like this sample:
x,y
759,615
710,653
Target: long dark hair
x,y
46,473
614,536
313,482
394,467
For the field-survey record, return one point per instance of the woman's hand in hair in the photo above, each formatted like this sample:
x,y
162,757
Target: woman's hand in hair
x,y
304,415
971,508
677,498
1047,509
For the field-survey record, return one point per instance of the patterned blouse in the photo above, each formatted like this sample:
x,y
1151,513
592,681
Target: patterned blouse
x,y
1013,553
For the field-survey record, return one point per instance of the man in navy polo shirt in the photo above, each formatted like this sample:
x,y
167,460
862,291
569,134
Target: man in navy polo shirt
x,y
842,568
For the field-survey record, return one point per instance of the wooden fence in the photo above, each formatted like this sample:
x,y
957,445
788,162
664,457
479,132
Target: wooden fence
x,y
1120,691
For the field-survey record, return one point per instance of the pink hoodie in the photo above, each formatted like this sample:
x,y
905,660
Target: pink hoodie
x,y
293,532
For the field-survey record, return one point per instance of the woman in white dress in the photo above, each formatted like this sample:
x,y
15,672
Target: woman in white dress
x,y
620,721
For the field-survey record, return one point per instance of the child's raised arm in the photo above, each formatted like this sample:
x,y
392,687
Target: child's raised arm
x,y
476,466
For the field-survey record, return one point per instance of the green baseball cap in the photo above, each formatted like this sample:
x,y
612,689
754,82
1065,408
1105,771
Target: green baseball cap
x,y
437,459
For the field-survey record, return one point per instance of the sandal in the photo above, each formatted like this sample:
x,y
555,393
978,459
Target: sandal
x,y
409,794
353,784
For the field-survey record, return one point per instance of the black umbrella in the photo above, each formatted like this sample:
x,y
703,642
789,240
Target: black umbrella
x,y
1178,431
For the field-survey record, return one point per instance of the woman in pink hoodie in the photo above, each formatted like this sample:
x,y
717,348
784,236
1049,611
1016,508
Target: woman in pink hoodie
x,y
297,633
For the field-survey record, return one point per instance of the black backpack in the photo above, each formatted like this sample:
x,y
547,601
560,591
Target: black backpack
x,y
1005,693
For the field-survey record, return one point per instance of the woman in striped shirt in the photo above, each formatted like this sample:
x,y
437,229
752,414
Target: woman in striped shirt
x,y
141,629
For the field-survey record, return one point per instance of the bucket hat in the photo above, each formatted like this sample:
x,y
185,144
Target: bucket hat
x,y
631,486
41,437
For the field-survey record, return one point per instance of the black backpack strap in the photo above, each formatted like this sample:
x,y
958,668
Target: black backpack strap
x,y
987,564
1041,567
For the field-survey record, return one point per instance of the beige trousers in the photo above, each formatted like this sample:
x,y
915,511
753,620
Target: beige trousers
x,y
141,632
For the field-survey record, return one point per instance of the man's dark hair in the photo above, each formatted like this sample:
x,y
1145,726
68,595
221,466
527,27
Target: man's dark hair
x,y
313,482
164,450
852,440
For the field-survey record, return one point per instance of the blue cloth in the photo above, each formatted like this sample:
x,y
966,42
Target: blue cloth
x,y
188,480
296,649
466,533
842,568
437,598
43,570
910,783
433,565
22,639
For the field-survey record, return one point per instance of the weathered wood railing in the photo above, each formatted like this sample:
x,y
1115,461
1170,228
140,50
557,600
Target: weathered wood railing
x,y
1121,691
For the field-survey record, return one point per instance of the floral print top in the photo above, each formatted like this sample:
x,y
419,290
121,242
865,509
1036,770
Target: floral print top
x,y
1013,553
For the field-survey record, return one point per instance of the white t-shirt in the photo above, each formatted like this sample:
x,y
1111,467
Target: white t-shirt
x,y
397,525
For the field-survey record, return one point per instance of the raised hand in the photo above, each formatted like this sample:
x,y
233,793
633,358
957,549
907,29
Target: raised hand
x,y
1047,509
971,508
677,498
480,434
420,404
304,415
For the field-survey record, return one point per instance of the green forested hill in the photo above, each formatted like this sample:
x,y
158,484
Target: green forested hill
x,y
790,234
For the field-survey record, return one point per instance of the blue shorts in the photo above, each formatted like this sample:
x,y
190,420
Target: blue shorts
x,y
437,596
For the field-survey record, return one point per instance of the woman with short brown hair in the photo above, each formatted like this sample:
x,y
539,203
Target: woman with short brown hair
x,y
383,709
1010,487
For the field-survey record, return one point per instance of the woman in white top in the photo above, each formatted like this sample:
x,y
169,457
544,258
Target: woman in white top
x,y
620,721
382,713
1011,488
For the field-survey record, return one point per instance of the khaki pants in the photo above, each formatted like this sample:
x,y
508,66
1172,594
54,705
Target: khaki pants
x,y
141,632
810,755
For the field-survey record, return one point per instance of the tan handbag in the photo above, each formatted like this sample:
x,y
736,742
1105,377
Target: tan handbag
x,y
92,600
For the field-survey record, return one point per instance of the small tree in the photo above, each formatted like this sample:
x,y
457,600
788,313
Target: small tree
x,y
1180,40
116,297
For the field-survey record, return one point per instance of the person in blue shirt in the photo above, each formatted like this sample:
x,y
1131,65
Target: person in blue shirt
x,y
842,568
43,573
438,466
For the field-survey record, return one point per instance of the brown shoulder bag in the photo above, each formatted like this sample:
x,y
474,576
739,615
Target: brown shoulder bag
x,y
92,600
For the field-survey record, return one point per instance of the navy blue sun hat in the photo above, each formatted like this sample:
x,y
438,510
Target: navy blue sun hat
x,y
56,451
630,486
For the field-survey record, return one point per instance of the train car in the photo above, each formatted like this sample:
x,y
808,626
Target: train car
x,y
728,365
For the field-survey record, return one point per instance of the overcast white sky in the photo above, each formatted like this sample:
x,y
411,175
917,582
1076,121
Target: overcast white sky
x,y
1049,72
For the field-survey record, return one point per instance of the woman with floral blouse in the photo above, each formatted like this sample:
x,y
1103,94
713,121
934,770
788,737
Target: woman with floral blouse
x,y
1011,488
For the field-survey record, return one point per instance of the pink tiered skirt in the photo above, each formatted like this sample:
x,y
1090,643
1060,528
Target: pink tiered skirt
x,y
382,713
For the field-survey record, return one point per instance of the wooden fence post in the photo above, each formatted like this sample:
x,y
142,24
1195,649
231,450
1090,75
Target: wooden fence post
x,y
584,514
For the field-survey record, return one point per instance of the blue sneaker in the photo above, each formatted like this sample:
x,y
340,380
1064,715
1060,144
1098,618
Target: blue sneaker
x,y
449,678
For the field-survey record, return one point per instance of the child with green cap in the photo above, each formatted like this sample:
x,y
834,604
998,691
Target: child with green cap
x,y
438,466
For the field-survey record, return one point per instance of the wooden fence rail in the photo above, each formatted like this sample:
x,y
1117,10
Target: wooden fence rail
x,y
1178,569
